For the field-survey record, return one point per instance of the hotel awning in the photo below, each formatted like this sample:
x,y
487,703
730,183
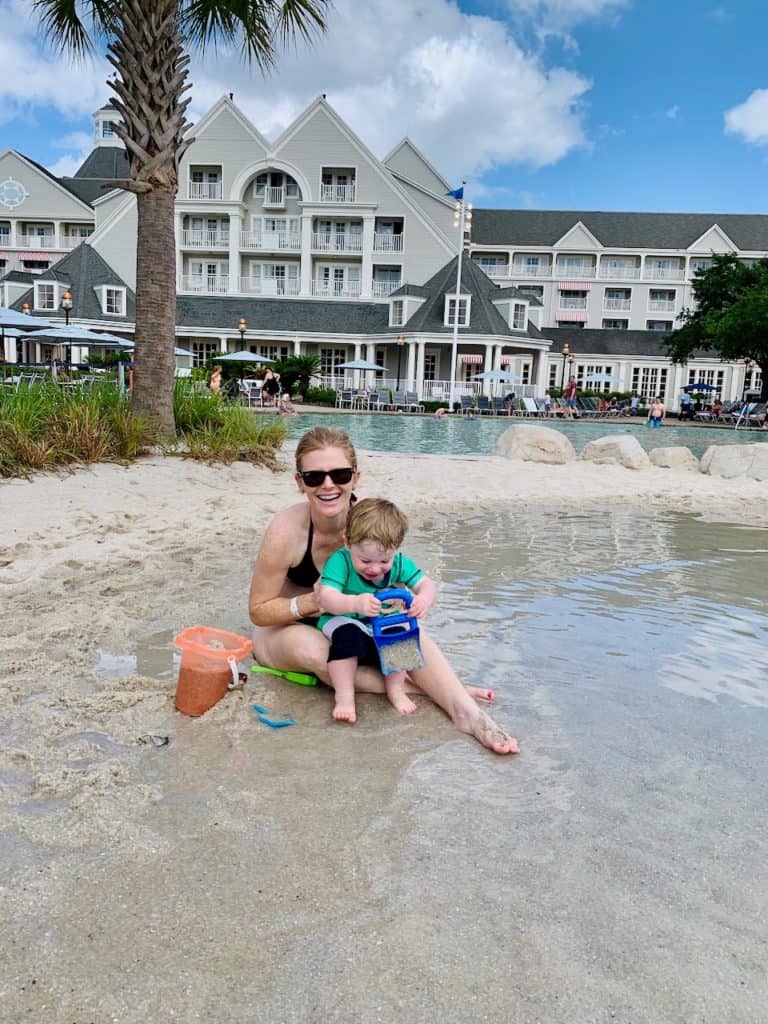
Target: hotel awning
x,y
35,256
574,286
471,358
571,314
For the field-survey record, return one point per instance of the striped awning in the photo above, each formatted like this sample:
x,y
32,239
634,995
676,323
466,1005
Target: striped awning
x,y
506,360
575,286
571,314
35,256
474,359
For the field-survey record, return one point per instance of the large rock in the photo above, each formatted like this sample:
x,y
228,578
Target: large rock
x,y
535,444
616,449
734,460
676,457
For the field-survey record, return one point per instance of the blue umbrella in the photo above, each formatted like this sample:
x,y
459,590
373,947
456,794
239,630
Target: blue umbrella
x,y
700,386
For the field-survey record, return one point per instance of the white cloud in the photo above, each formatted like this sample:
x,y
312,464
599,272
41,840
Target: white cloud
x,y
750,118
673,112
462,87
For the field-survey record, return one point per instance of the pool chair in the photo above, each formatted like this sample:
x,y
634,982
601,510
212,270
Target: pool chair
x,y
466,405
398,400
499,407
378,401
484,405
345,399
412,402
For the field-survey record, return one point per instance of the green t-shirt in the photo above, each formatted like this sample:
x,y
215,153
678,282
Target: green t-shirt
x,y
340,574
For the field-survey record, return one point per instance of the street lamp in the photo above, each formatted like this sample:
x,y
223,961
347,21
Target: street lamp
x,y
66,305
462,220
242,326
566,353
400,342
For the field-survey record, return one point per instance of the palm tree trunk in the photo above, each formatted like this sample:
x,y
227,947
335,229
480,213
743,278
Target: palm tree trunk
x,y
153,367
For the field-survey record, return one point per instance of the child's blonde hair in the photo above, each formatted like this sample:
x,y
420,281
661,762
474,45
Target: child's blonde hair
x,y
378,520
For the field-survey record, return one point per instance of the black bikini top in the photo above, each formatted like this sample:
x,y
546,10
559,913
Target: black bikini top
x,y
305,574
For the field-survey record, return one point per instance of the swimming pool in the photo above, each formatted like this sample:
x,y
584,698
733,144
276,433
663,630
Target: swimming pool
x,y
458,435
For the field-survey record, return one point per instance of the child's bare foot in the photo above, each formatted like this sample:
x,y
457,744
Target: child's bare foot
x,y
476,723
481,693
401,702
344,710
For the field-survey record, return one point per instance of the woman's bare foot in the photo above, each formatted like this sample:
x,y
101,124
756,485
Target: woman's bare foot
x,y
476,723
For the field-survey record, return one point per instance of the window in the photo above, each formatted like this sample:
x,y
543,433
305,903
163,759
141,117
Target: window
x,y
553,375
450,311
536,291
45,296
379,358
291,188
649,381
259,185
615,325
518,316
658,325
330,360
36,264
571,299
430,366
107,130
271,351
202,351
576,324
114,301
525,373
714,378
397,313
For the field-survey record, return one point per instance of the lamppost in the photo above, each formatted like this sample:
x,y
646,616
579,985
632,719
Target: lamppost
x,y
66,305
242,326
462,219
566,353
400,342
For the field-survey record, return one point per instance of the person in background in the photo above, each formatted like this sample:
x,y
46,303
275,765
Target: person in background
x,y
570,394
547,404
656,412
634,404
215,382
686,406
271,389
510,402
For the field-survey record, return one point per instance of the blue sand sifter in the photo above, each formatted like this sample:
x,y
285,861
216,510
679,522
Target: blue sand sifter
x,y
396,636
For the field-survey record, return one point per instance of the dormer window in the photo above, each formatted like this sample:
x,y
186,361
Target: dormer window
x,y
519,316
397,318
45,295
112,300
450,310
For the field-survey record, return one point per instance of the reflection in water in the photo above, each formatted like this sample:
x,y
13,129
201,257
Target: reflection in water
x,y
670,600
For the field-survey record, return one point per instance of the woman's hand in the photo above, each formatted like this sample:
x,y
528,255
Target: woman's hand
x,y
367,604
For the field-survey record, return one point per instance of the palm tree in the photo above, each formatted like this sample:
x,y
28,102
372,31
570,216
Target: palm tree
x,y
147,44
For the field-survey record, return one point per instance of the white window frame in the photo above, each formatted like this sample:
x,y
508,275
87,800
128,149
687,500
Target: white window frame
x,y
45,286
395,319
519,316
465,303
117,293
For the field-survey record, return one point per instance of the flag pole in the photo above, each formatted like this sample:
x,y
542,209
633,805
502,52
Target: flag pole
x,y
461,214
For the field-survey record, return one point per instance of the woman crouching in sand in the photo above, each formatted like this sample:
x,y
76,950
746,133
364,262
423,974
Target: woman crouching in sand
x,y
283,602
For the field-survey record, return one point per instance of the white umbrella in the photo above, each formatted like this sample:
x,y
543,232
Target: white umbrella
x,y
360,364
76,336
501,375
243,357
13,318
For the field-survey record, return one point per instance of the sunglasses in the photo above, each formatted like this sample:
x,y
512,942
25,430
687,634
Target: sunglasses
x,y
316,477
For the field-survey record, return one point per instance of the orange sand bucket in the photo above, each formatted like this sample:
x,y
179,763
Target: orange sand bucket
x,y
208,666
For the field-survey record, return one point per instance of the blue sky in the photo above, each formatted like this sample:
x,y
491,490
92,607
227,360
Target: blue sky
x,y
551,104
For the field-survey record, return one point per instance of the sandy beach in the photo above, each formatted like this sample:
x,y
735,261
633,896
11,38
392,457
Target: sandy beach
x,y
233,874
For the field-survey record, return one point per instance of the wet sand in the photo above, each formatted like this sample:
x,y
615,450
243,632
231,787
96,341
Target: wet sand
x,y
394,871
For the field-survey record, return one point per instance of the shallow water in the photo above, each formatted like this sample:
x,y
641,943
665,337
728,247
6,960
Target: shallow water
x,y
614,871
459,435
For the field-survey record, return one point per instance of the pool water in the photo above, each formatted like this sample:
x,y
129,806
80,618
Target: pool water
x,y
457,435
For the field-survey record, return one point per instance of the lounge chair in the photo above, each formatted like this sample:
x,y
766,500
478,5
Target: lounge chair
x,y
499,406
466,404
412,402
484,405
345,399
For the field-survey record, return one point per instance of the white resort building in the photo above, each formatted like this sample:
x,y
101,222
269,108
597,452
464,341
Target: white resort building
x,y
311,244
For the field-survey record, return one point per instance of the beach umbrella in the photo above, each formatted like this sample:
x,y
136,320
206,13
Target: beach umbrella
x,y
12,318
501,375
360,364
243,357
700,386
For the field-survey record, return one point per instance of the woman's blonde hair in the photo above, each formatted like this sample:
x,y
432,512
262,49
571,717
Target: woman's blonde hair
x,y
378,520
325,437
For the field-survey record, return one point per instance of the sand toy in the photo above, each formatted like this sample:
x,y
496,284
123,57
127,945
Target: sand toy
x,y
300,678
208,670
396,635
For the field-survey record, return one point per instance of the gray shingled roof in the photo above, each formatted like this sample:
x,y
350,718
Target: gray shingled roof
x,y
608,342
82,270
748,231
484,316
103,166
299,316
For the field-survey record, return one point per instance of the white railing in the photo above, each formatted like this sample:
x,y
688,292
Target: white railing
x,y
274,195
531,270
661,306
199,239
68,241
204,190
664,273
381,289
621,304
337,193
494,270
698,266
337,289
209,284
37,241
572,303
331,242
269,286
387,243
574,272
624,273
270,240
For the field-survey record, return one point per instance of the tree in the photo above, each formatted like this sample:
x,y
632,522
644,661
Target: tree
x,y
147,44
730,317
298,371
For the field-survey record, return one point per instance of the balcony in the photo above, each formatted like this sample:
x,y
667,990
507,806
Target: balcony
x,y
269,286
531,270
204,190
494,269
198,239
661,306
575,272
706,265
337,289
337,193
620,273
331,242
387,243
665,273
572,303
274,197
71,241
383,289
617,305
37,241
207,284
275,241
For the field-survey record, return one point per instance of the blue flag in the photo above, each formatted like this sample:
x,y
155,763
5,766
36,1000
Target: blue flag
x,y
458,193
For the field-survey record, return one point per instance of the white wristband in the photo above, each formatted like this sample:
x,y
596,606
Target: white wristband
x,y
294,607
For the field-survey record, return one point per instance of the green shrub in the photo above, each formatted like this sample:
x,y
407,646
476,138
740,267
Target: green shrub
x,y
237,435
320,396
